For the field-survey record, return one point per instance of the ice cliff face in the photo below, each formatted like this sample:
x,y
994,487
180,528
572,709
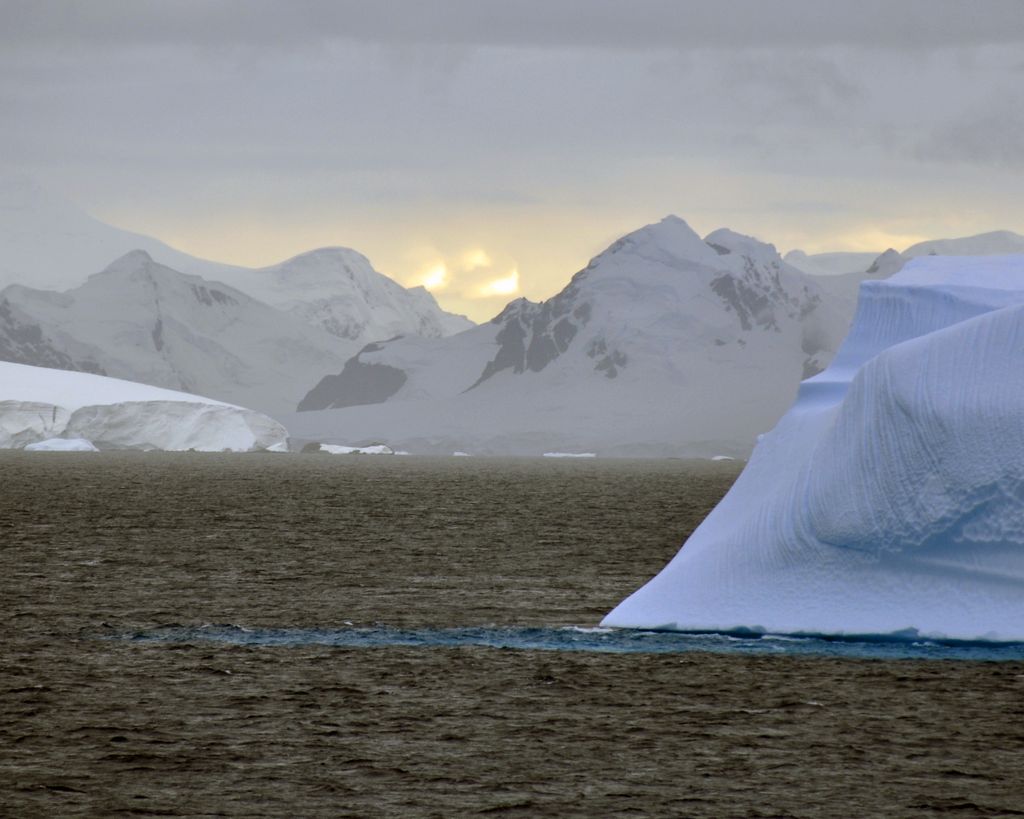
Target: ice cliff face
x,y
145,322
45,407
666,343
890,499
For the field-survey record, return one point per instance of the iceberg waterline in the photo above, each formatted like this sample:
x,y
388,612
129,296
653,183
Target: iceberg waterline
x,y
891,496
571,638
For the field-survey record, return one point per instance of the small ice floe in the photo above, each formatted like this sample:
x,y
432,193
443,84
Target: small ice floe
x,y
570,454
371,449
62,445
458,454
722,458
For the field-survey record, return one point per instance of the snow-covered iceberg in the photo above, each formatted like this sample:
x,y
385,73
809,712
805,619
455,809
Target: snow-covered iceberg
x,y
38,404
62,445
890,499
372,449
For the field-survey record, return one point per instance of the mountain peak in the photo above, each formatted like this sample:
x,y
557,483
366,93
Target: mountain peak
x,y
669,242
334,255
725,242
131,262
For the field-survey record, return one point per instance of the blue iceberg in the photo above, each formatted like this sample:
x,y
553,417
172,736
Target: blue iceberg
x,y
889,500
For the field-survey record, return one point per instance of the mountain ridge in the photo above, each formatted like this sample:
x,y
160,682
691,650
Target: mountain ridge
x,y
143,321
32,254
628,347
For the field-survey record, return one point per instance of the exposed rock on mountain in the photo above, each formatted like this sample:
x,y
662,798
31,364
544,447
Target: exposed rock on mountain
x,y
664,343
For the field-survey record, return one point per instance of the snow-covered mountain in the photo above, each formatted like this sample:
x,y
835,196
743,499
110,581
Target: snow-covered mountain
x,y
887,501
997,242
829,264
145,322
48,243
666,343
51,409
337,289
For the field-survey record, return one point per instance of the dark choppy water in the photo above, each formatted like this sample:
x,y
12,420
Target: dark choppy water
x,y
415,637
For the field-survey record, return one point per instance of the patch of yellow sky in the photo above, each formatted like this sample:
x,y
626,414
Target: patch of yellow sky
x,y
470,268
474,266
865,240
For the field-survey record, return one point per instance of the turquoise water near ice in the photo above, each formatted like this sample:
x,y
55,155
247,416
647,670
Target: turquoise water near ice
x,y
576,638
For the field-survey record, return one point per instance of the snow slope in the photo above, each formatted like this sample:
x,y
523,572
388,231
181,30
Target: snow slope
x,y
337,289
38,404
145,322
665,344
870,265
48,243
997,242
889,500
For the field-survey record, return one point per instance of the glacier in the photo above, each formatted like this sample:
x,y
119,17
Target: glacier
x,y
39,405
889,500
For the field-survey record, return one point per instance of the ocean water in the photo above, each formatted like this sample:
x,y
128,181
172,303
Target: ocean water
x,y
314,635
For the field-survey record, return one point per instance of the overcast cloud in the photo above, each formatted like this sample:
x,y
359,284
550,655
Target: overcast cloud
x,y
535,131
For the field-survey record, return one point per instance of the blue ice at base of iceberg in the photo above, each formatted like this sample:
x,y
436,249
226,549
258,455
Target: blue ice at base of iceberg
x,y
574,638
891,496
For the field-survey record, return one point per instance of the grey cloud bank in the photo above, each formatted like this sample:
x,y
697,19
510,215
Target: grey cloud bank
x,y
414,131
638,24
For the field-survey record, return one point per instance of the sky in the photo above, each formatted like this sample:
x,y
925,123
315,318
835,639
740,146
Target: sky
x,y
489,149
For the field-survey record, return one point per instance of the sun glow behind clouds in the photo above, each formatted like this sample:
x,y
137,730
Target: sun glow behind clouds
x,y
470,275
501,287
436,277
475,259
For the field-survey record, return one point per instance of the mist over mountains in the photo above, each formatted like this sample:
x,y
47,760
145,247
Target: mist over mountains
x,y
150,313
666,343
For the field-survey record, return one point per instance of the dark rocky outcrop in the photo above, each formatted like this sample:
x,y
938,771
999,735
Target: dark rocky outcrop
x,y
358,383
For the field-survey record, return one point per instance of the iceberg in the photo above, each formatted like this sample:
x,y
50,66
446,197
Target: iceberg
x,y
889,500
372,449
62,445
38,405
